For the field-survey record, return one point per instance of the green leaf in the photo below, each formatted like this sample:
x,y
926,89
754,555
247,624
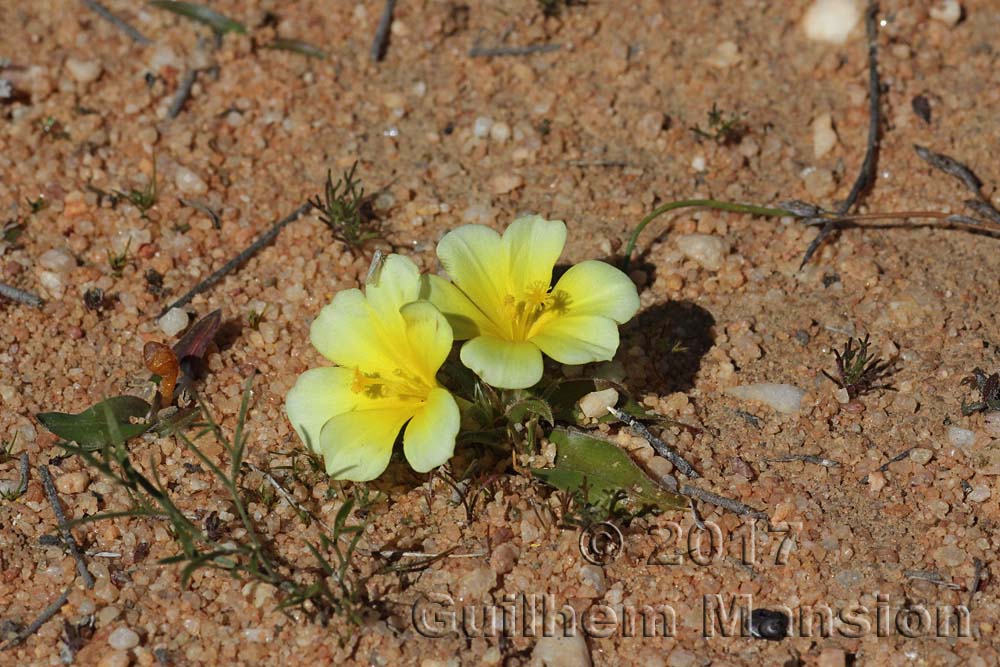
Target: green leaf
x,y
202,14
604,472
519,410
298,46
90,429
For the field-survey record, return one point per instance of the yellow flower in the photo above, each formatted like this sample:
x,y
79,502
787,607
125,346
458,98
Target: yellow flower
x,y
500,299
388,346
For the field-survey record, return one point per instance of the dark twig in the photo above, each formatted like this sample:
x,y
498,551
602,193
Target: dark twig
x,y
19,295
494,51
67,535
734,506
237,261
204,208
117,22
382,31
932,577
662,448
42,619
183,93
866,176
977,578
806,458
25,471
885,466
949,165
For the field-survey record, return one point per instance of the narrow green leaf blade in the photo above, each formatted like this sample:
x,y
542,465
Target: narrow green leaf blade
x,y
298,46
202,14
89,429
606,471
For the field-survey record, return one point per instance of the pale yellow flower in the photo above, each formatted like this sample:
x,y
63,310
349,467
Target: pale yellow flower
x,y
388,346
500,299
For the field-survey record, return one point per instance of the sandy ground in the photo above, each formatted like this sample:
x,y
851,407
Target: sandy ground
x,y
595,133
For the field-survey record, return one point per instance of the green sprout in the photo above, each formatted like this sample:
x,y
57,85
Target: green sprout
x,y
989,391
345,209
857,370
254,318
722,129
117,262
37,205
145,198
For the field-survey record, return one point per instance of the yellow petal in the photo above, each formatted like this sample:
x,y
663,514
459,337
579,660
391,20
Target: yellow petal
x,y
578,339
395,284
503,363
429,440
429,336
596,288
318,395
473,257
466,320
357,445
532,246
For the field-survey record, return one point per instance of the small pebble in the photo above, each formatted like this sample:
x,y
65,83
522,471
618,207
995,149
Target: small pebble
x,y
501,184
482,126
72,482
824,136
474,585
705,249
921,455
500,132
819,182
726,55
562,651
123,639
114,659
831,21
784,398
980,493
57,260
189,182
596,403
173,321
948,12
698,163
83,71
961,437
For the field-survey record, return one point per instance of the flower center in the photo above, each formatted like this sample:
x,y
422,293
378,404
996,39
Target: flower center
x,y
536,301
400,385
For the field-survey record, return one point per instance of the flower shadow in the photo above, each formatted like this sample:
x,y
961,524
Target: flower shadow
x,y
675,336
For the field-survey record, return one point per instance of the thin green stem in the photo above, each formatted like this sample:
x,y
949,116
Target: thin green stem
x,y
698,203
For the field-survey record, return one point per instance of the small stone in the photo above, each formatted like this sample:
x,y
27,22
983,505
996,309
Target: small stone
x,y
705,249
53,283
475,584
72,482
596,403
504,558
824,136
950,555
189,182
726,55
123,639
980,493
83,71
962,438
991,422
831,21
819,182
784,398
57,260
948,12
698,163
114,659
501,184
659,468
482,126
842,396
832,657
562,651
500,132
593,576
921,456
876,481
174,321
680,657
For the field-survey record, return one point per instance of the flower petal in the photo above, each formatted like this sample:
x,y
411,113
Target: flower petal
x,y
429,440
532,246
318,395
395,283
429,335
597,288
503,363
357,445
466,320
473,257
578,339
